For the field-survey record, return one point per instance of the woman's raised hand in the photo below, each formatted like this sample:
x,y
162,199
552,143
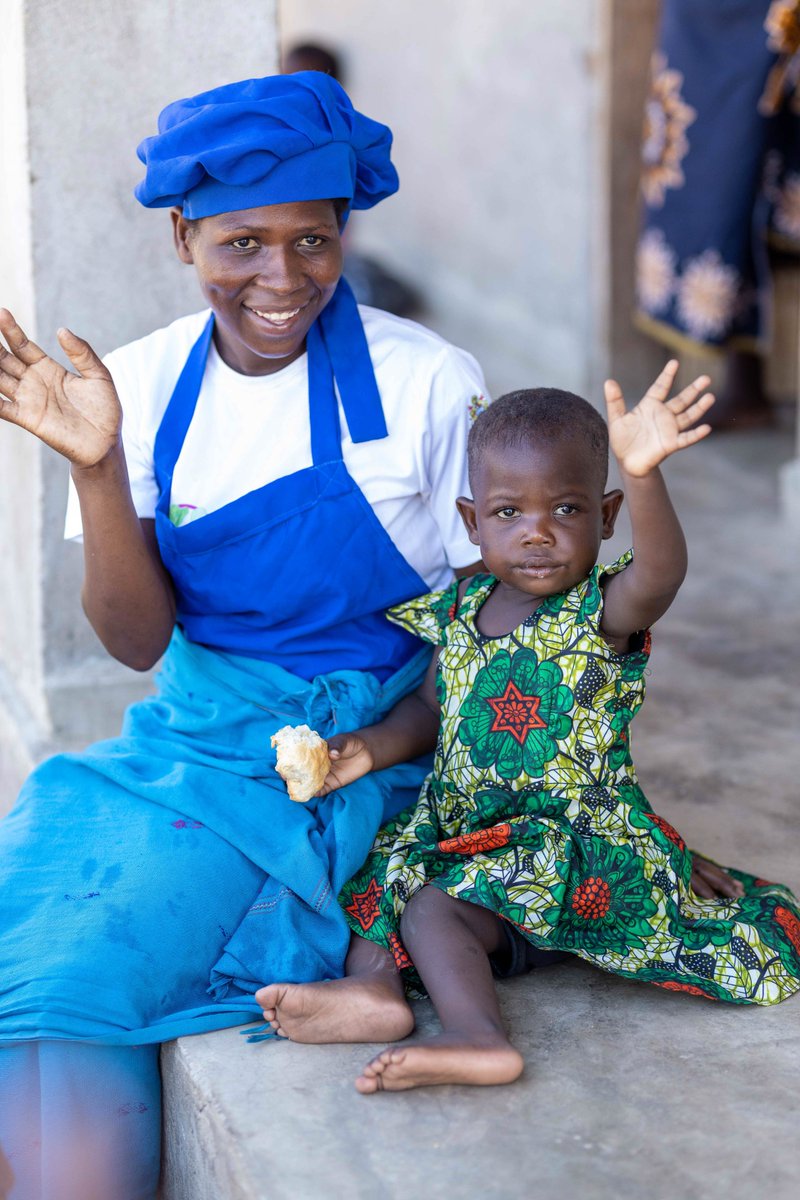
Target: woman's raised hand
x,y
79,415
657,426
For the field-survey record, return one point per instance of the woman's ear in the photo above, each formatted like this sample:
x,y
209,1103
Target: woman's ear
x,y
181,235
467,510
611,504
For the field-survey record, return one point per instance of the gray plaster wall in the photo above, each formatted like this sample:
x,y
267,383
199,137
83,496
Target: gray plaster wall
x,y
503,141
81,83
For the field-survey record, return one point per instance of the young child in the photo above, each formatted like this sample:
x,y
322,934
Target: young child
x,y
532,830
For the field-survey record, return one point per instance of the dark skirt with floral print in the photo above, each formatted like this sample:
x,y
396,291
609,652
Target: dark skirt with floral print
x,y
534,811
720,175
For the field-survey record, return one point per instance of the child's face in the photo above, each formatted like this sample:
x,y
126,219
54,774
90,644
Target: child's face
x,y
539,515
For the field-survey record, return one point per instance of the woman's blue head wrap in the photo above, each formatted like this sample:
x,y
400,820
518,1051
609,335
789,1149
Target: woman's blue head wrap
x,y
276,140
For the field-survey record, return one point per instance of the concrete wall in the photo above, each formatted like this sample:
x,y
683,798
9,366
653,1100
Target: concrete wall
x,y
502,119
81,83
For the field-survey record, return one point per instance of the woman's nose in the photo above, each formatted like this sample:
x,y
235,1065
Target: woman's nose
x,y
280,271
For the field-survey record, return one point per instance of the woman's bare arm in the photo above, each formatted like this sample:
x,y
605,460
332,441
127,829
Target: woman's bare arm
x,y
127,594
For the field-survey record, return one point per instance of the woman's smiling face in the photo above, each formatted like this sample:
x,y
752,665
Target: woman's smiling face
x,y
267,273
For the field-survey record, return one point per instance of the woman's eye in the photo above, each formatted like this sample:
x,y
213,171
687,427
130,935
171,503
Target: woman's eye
x,y
312,240
243,243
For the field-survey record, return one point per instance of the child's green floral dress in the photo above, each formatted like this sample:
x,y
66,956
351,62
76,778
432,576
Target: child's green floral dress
x,y
533,810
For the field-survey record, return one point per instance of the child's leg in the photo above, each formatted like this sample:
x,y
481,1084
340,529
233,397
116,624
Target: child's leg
x,y
450,942
368,1005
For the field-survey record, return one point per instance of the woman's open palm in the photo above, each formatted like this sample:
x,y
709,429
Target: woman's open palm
x,y
658,425
79,415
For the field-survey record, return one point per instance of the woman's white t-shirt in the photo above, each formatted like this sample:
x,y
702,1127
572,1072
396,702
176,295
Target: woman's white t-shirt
x,y
250,430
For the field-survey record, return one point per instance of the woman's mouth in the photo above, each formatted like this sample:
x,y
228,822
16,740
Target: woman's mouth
x,y
278,318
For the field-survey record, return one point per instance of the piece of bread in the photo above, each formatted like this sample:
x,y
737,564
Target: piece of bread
x,y
302,760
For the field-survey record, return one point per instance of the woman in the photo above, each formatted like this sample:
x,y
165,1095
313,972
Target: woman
x,y
285,472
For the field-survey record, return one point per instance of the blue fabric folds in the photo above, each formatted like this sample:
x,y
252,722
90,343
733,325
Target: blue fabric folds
x,y
276,140
151,884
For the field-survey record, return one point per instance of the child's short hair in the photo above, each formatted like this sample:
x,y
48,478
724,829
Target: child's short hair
x,y
535,414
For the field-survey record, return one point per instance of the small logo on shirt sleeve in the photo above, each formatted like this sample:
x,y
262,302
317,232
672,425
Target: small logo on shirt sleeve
x,y
478,403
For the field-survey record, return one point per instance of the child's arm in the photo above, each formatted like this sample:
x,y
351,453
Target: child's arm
x,y
641,439
410,729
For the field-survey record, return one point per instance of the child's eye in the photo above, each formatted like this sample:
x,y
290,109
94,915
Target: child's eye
x,y
565,510
507,514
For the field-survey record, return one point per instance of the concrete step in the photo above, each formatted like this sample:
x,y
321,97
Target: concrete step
x,y
629,1092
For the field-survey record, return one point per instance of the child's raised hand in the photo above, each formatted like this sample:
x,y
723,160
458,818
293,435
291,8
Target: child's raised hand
x,y
657,426
350,759
78,415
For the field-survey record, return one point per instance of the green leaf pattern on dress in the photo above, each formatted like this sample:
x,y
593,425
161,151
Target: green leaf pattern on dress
x,y
534,811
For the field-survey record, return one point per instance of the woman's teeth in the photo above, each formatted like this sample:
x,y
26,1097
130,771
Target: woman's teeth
x,y
277,318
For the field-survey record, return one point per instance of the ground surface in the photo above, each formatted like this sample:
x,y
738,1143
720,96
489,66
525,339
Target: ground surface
x,y
629,1092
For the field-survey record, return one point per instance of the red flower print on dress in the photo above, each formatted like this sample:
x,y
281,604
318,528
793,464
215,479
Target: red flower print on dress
x,y
668,832
516,714
672,985
364,907
401,958
478,842
789,924
592,898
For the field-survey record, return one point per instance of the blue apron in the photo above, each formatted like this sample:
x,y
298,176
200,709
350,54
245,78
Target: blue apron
x,y
300,571
149,885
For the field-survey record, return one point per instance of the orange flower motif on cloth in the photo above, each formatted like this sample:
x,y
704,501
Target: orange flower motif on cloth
x,y
592,898
516,714
789,924
478,842
672,985
399,953
365,906
668,831
664,145
782,24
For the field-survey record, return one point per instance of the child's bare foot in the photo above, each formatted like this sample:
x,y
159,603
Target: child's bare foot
x,y
354,1009
442,1059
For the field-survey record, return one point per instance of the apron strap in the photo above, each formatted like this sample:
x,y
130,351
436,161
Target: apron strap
x,y
178,416
323,407
346,343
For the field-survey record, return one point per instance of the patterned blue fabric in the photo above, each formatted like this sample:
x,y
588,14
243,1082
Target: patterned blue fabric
x,y
152,883
720,170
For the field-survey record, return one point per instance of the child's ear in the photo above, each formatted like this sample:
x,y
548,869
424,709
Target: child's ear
x,y
612,502
467,510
